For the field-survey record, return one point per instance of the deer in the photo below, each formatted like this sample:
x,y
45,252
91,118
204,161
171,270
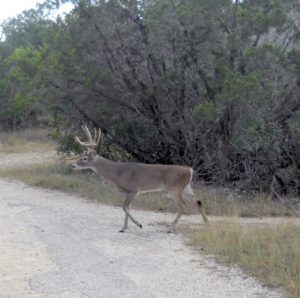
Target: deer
x,y
132,178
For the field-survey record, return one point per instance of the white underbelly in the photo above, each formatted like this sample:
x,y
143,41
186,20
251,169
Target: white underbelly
x,y
151,190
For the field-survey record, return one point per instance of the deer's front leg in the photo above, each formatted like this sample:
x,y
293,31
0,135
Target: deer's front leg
x,y
125,227
128,199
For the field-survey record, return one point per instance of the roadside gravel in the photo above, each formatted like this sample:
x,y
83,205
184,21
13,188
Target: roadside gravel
x,y
57,245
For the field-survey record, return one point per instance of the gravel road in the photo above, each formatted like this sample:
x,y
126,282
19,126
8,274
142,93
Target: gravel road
x,y
57,245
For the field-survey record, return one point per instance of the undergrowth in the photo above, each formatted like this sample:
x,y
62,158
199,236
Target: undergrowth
x,y
217,202
270,253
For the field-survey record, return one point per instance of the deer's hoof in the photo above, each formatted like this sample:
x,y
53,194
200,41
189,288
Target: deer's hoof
x,y
171,231
140,226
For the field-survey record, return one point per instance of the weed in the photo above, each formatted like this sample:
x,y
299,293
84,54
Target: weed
x,y
272,254
25,141
60,176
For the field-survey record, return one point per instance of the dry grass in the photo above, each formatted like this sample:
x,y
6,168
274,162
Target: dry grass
x,y
25,141
217,201
272,254
269,253
224,202
59,176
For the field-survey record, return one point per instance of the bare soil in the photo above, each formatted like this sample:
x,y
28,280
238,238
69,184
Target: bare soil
x,y
56,245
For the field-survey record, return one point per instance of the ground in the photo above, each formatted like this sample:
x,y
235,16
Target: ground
x,y
58,245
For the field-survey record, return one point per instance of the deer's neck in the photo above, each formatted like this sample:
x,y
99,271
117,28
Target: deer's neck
x,y
106,168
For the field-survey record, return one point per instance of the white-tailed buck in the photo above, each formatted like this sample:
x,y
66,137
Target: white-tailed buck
x,y
133,178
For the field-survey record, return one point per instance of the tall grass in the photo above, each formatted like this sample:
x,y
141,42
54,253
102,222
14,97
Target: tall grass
x,y
272,254
216,201
28,140
224,202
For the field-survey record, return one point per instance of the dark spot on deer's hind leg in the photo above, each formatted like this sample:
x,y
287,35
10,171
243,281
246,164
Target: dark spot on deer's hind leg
x,y
199,203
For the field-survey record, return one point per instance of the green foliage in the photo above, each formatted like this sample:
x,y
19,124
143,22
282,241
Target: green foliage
x,y
206,111
294,57
294,124
21,104
67,143
4,87
207,83
241,88
23,66
257,17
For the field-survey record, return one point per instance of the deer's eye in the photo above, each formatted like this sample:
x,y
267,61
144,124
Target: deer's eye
x,y
85,158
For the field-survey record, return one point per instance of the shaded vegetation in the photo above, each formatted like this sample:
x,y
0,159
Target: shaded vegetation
x,y
28,140
209,84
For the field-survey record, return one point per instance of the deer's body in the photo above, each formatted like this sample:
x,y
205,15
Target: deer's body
x,y
133,178
138,177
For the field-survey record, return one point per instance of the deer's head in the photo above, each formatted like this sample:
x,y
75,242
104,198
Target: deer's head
x,y
88,160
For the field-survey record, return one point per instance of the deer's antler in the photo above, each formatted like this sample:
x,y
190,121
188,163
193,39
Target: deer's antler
x,y
92,143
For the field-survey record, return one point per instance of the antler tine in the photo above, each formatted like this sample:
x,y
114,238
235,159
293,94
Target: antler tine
x,y
92,142
78,141
97,136
85,144
87,132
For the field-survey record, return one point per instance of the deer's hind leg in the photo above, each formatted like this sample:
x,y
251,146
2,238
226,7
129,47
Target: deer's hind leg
x,y
182,207
190,193
201,210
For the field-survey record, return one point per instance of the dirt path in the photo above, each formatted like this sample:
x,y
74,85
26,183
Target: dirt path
x,y
57,245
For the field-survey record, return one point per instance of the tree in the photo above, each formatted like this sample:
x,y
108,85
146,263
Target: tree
x,y
211,84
